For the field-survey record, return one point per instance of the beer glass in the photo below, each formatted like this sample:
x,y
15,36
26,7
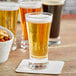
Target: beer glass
x,y
38,25
55,7
27,7
8,17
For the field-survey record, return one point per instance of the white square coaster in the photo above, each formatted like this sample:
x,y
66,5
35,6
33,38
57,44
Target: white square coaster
x,y
54,67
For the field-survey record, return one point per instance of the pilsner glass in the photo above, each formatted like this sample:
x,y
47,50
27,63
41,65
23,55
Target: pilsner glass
x,y
55,7
27,7
8,17
38,25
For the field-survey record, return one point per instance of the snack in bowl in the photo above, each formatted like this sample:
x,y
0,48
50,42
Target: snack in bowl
x,y
4,36
6,40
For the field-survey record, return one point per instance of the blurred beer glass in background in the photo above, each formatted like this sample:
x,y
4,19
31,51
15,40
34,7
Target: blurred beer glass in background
x,y
55,7
8,17
38,25
27,7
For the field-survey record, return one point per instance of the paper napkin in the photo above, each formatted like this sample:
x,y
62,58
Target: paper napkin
x,y
54,67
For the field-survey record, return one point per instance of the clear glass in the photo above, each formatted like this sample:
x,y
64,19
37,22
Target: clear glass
x,y
27,7
55,7
38,25
8,17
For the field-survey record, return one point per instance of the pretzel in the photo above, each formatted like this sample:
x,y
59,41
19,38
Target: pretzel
x,y
4,36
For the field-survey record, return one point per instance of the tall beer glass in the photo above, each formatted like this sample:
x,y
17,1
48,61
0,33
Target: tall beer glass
x,y
55,7
8,17
38,25
27,7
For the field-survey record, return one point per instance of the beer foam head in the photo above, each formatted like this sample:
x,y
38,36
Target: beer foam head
x,y
39,18
31,4
9,6
53,2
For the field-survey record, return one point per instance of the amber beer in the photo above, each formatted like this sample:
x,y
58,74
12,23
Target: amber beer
x,y
38,25
38,36
8,16
28,7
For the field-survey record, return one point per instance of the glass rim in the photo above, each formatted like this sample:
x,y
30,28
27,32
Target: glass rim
x,y
30,4
30,1
46,17
9,5
53,2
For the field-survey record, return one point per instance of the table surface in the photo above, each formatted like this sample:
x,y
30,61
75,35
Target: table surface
x,y
65,52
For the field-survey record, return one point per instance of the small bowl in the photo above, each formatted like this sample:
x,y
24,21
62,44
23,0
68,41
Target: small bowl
x,y
5,47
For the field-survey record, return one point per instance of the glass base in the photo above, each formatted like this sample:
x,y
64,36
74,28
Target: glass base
x,y
25,44
38,63
54,41
14,46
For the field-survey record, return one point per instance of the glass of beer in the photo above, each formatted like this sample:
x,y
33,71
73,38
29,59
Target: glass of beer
x,y
8,17
38,25
55,7
27,7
